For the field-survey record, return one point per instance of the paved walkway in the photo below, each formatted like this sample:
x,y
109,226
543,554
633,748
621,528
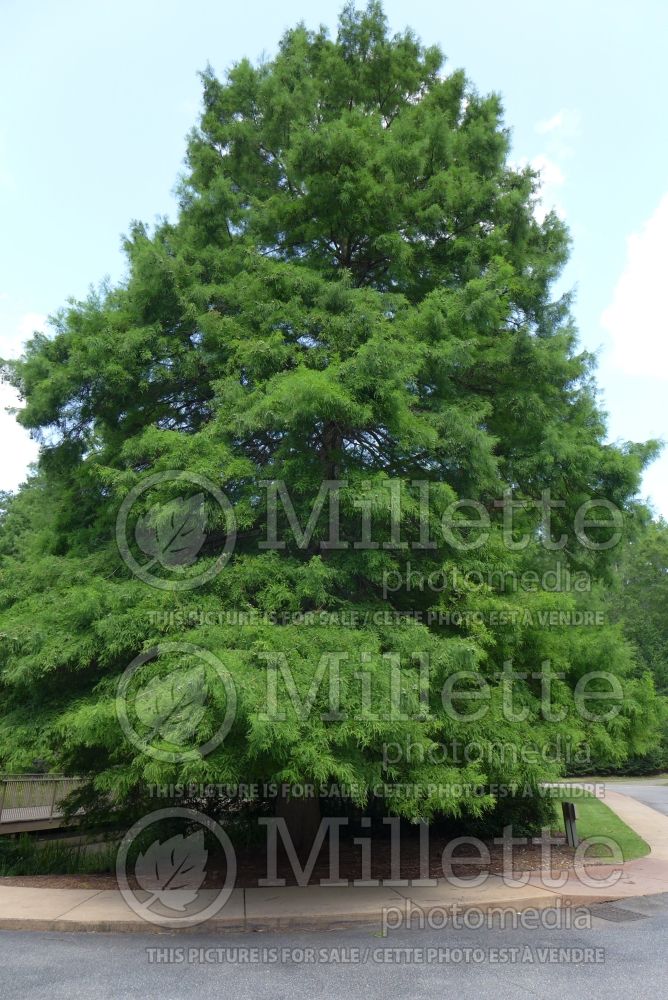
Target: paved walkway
x,y
322,907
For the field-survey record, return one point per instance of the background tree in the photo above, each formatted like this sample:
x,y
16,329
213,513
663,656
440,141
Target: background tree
x,y
637,600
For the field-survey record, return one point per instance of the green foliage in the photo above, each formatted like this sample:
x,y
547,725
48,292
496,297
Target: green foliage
x,y
640,597
26,856
637,600
357,288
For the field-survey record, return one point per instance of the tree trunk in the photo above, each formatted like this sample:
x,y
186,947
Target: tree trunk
x,y
302,817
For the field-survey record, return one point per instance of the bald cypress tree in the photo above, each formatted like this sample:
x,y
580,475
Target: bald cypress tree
x,y
357,292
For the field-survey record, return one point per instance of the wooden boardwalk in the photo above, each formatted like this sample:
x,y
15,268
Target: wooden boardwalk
x,y
32,802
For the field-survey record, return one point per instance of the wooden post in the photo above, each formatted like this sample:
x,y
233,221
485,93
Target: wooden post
x,y
53,799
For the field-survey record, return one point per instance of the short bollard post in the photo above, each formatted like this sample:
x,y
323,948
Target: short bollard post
x,y
570,816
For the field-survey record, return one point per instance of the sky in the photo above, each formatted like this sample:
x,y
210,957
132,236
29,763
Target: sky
x,y
96,100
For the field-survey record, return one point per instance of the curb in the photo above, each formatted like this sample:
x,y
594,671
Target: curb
x,y
314,922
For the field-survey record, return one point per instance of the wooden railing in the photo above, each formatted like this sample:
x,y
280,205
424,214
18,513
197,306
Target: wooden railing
x,y
33,797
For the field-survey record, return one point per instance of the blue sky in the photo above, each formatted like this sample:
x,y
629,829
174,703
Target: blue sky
x,y
97,98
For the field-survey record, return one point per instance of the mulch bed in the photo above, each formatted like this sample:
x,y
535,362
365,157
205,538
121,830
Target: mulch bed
x,y
251,865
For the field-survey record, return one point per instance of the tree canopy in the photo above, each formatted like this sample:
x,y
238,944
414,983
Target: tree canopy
x,y
358,291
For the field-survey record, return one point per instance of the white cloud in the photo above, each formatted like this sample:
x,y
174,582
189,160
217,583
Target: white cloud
x,y
12,343
550,124
30,323
560,130
552,178
551,173
17,450
636,318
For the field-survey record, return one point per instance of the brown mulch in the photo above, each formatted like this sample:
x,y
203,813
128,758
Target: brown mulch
x,y
251,865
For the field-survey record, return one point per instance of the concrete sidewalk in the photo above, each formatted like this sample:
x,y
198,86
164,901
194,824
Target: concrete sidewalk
x,y
324,907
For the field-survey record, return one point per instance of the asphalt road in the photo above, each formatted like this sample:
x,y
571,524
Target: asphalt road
x,y
655,796
621,953
631,961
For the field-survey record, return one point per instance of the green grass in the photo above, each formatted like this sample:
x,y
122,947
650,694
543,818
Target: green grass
x,y
595,819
